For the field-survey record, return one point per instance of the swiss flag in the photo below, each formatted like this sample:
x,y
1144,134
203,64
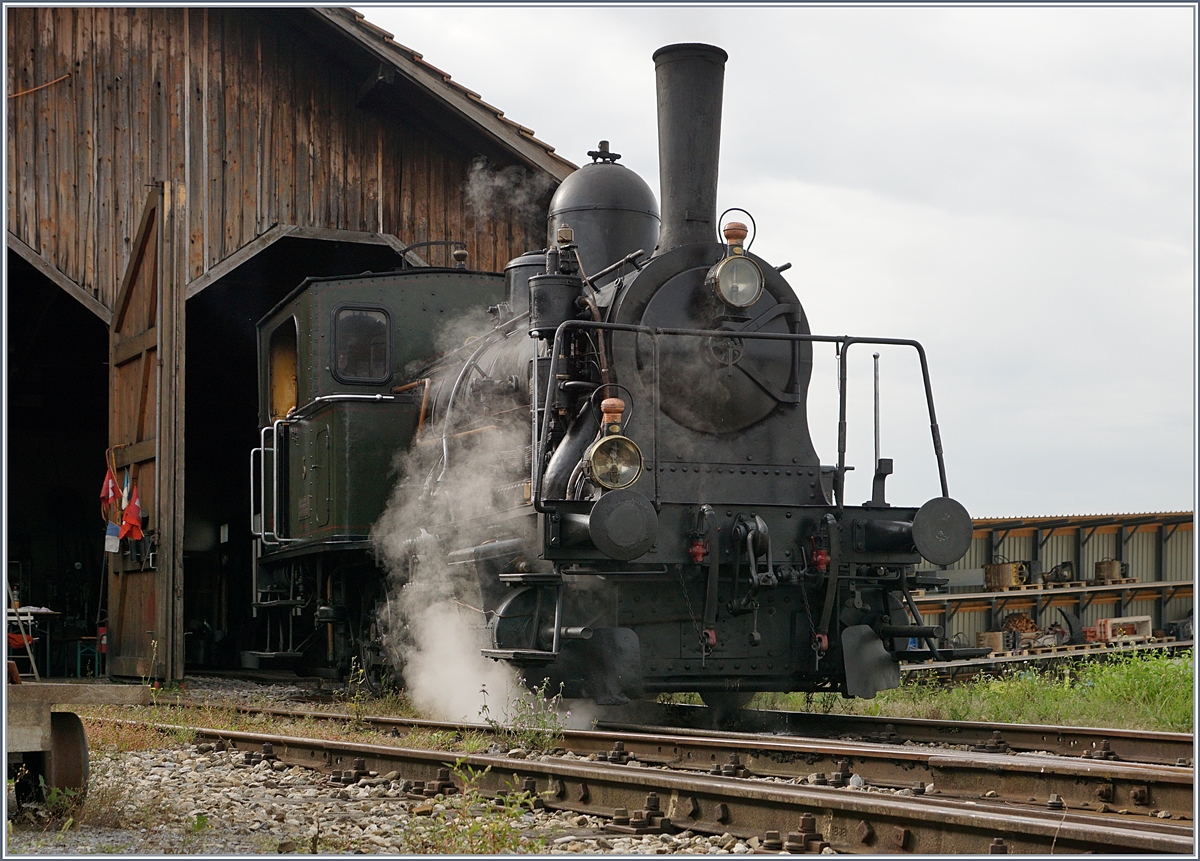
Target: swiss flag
x,y
131,523
109,490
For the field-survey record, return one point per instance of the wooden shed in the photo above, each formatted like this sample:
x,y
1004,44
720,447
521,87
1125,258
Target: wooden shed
x,y
172,173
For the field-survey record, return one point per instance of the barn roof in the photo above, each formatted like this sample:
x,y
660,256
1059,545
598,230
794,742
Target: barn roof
x,y
402,68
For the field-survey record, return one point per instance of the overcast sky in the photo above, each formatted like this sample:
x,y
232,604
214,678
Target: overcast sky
x,y
1013,187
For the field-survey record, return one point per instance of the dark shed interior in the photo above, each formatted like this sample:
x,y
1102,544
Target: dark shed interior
x,y
57,392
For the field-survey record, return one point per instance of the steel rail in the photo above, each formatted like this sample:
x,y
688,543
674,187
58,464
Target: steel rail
x,y
855,822
1077,784
1149,746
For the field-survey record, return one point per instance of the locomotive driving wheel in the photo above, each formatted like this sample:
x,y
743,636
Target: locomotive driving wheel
x,y
377,674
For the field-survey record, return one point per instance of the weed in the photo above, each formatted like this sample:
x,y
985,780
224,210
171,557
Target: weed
x,y
532,720
1142,690
473,742
111,802
59,801
468,823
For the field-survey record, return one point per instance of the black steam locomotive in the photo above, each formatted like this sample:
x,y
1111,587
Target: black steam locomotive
x,y
616,475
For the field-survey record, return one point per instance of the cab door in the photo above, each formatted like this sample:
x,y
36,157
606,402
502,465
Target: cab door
x,y
145,427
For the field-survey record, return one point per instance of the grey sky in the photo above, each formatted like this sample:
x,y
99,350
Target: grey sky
x,y
1013,187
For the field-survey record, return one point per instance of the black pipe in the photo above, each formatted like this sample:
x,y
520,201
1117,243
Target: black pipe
x,y
690,81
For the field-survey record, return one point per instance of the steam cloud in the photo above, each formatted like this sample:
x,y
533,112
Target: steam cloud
x,y
492,193
436,625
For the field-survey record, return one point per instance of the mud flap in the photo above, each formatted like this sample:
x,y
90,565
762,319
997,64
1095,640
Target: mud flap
x,y
869,666
606,668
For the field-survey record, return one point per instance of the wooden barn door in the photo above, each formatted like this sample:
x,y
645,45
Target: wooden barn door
x,y
145,433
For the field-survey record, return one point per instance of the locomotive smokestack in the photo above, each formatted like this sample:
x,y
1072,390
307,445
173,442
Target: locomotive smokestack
x,y
690,80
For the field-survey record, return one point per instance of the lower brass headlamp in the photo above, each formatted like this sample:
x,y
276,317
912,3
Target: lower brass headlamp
x,y
614,462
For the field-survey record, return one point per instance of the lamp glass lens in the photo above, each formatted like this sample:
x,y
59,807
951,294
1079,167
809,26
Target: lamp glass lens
x,y
739,282
616,462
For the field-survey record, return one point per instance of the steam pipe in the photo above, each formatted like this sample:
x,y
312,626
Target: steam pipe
x,y
690,79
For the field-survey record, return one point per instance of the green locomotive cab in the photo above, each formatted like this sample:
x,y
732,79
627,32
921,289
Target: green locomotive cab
x,y
332,418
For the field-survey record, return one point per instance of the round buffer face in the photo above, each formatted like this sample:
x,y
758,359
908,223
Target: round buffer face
x,y
942,530
623,524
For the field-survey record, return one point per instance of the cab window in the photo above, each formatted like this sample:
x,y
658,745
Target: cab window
x,y
361,345
282,370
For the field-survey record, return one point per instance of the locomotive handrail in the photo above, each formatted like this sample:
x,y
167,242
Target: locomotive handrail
x,y
280,538
933,425
844,341
321,400
253,531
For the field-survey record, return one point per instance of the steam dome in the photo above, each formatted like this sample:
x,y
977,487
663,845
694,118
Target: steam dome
x,y
609,207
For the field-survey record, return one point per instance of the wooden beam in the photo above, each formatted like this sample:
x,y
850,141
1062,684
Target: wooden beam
x,y
139,452
52,272
149,211
280,231
125,350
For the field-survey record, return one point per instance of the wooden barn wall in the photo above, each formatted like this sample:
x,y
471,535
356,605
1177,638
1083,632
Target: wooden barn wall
x,y
253,124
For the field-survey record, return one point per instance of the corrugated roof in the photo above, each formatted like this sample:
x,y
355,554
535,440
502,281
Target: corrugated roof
x,y
488,119
1084,519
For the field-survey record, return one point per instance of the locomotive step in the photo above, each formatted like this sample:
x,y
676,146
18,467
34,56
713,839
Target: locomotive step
x,y
520,656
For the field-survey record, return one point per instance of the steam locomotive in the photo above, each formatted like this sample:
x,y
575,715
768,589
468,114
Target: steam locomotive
x,y
615,474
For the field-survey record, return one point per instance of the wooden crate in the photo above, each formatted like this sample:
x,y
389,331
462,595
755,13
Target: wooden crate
x,y
1000,575
997,641
1111,569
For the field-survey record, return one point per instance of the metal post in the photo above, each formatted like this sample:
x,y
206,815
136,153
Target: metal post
x,y
876,357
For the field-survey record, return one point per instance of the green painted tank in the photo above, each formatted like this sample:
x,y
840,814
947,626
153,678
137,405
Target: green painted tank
x,y
332,414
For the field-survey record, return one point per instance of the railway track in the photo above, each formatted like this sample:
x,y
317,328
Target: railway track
x,y
1099,782
1163,748
783,816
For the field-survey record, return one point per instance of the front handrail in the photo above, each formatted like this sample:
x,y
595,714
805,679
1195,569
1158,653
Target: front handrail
x,y
842,341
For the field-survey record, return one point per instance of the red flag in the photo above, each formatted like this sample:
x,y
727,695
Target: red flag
x,y
131,523
109,490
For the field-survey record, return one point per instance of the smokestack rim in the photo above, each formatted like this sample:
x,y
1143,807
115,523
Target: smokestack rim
x,y
717,55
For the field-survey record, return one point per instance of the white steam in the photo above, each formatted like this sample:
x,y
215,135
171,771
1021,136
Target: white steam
x,y
437,626
510,192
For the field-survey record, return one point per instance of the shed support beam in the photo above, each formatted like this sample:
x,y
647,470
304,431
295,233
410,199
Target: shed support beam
x,y
260,243
41,264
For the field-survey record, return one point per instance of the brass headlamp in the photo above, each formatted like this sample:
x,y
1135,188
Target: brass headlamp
x,y
614,461
736,279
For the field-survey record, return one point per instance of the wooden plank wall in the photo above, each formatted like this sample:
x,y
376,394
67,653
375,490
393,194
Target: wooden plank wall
x,y
250,123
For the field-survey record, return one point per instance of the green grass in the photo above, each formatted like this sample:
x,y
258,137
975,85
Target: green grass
x,y
1148,690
